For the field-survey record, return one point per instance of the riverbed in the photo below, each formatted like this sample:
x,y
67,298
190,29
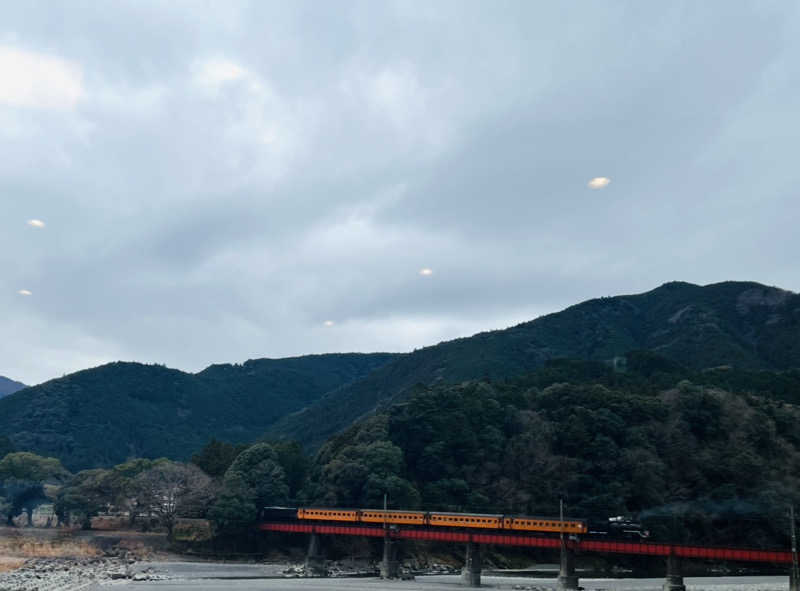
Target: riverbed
x,y
179,576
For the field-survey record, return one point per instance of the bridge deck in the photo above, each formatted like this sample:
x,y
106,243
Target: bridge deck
x,y
587,545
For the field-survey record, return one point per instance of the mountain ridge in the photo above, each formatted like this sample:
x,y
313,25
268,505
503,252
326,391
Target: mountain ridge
x,y
103,415
737,323
9,386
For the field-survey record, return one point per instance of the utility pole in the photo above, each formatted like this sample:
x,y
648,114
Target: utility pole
x,y
389,566
566,572
794,577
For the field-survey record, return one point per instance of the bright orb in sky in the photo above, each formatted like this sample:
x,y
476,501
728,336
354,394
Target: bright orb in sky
x,y
599,182
24,292
36,223
328,323
426,271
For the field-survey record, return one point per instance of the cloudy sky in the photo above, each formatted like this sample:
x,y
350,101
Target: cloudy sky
x,y
199,182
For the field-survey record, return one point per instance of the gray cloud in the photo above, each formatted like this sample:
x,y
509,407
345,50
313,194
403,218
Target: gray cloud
x,y
219,180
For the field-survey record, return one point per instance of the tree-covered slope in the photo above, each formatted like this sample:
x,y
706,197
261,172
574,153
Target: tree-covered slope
x,y
8,386
101,416
739,324
720,463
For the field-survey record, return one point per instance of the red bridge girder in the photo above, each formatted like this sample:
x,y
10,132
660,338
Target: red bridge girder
x,y
600,546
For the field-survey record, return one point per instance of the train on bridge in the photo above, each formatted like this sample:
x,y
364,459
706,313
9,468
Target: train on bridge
x,y
614,527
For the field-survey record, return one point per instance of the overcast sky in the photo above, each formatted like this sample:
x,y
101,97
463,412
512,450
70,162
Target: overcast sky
x,y
218,181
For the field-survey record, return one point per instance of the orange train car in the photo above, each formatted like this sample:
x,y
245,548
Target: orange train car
x,y
524,523
396,517
475,520
328,514
445,519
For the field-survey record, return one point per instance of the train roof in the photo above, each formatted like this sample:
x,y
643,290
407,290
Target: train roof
x,y
498,515
546,517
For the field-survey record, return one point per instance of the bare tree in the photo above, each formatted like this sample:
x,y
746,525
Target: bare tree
x,y
171,489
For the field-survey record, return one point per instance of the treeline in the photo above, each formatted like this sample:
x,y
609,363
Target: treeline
x,y
692,459
225,483
102,416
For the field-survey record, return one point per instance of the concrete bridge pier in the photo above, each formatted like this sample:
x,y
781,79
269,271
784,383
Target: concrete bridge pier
x,y
471,573
674,580
567,579
390,568
315,561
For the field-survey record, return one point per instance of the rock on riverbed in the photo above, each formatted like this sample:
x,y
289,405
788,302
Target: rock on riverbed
x,y
69,574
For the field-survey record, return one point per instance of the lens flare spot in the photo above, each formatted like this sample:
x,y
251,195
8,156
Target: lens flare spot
x,y
25,292
599,182
329,323
36,223
426,272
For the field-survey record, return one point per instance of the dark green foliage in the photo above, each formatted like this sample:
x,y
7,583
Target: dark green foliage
x,y
117,489
260,469
295,464
24,465
234,508
102,416
693,461
741,325
84,496
22,479
21,495
257,478
216,457
6,447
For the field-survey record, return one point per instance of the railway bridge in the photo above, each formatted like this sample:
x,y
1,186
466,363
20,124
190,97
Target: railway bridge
x,y
674,554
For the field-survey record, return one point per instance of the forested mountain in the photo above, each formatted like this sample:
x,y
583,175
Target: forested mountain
x,y
101,416
738,324
8,386
692,459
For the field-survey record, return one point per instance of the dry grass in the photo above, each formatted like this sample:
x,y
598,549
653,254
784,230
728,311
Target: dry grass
x,y
8,563
22,547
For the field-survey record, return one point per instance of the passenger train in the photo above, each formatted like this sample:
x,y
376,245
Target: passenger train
x,y
614,527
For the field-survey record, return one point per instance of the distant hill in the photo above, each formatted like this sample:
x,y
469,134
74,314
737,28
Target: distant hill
x,y
101,416
740,324
9,386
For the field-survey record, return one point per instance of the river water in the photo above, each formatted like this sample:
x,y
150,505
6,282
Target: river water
x,y
210,577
